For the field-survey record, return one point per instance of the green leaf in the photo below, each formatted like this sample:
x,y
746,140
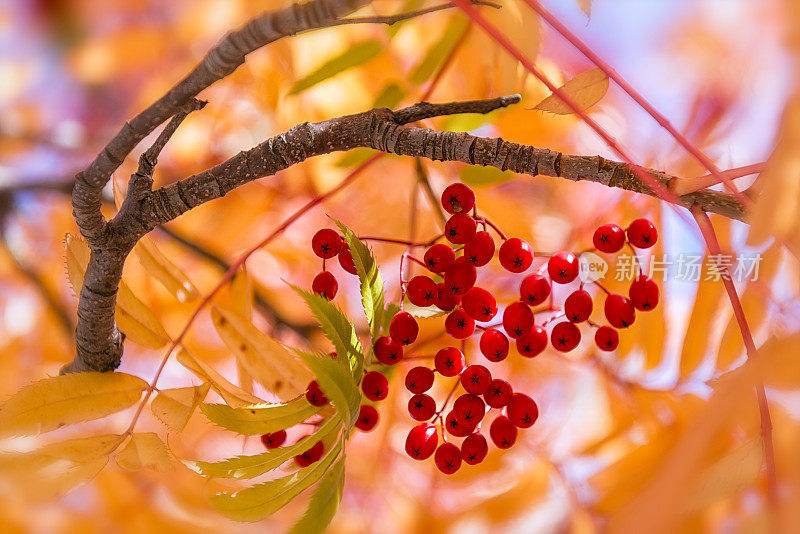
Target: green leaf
x,y
337,328
243,467
477,175
371,282
391,95
354,56
324,502
337,383
260,501
260,418
357,156
440,50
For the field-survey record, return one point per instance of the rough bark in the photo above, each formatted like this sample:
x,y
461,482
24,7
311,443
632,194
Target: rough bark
x,y
98,340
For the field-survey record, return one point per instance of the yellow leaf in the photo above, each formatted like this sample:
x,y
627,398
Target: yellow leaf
x,y
754,303
78,450
63,400
725,477
242,294
778,362
233,395
58,480
266,360
775,211
166,272
586,6
586,89
134,319
174,407
695,341
145,450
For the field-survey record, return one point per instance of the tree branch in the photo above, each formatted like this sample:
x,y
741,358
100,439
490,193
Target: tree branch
x,y
98,340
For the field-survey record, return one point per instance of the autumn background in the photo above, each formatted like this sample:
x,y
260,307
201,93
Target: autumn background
x,y
664,432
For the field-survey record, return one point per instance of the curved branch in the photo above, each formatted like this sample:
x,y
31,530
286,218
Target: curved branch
x,y
98,340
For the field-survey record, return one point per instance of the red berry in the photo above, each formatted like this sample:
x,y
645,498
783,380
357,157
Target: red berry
x,y
578,306
475,379
479,304
325,284
460,277
535,289
522,410
311,455
459,325
449,361
643,293
474,449
457,198
469,409
454,428
367,418
480,249
532,343
460,228
563,267
498,394
419,379
494,345
503,432
619,311
314,394
421,441
421,407
404,328
606,338
565,336
439,258
388,351
326,243
421,291
375,386
642,233
609,238
274,439
346,261
448,458
516,255
517,319
445,300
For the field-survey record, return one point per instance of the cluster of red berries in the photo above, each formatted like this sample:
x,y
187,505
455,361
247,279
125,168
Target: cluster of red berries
x,y
451,287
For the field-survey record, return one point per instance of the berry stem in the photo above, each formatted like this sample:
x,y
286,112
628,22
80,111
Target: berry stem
x,y
402,241
635,257
449,395
598,284
494,227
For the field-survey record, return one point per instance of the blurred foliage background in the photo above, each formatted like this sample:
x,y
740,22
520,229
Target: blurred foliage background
x,y
665,431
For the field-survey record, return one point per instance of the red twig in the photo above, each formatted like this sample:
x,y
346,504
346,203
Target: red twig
x,y
710,236
661,191
684,186
638,98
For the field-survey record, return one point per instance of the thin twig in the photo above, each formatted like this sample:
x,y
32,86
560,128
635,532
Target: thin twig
x,y
394,19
